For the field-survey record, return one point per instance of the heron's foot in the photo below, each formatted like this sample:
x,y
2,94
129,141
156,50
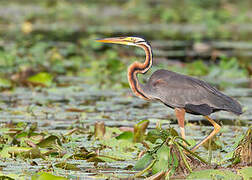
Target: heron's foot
x,y
217,128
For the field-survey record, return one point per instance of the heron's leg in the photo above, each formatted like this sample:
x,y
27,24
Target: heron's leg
x,y
180,114
215,131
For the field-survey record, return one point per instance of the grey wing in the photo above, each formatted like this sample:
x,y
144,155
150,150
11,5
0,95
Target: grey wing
x,y
196,96
175,90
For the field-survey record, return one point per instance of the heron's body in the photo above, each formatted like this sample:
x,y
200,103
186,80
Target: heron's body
x,y
194,95
180,92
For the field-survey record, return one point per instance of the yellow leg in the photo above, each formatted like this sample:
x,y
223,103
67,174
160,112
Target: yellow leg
x,y
215,131
180,114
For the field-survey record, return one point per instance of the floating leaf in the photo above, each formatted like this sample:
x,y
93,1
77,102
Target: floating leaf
x,y
119,149
46,176
32,154
67,166
84,155
41,79
4,83
106,159
49,142
11,176
8,151
6,178
126,136
246,173
213,174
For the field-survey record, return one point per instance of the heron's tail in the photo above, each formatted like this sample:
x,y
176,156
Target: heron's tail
x,y
233,106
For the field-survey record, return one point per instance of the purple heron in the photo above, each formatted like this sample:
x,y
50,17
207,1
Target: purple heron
x,y
177,91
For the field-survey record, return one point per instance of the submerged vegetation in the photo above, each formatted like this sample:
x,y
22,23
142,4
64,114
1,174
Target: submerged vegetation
x,y
66,110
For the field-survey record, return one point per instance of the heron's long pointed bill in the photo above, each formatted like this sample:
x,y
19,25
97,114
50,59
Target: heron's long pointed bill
x,y
125,41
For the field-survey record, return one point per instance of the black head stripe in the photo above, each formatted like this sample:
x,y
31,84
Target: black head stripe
x,y
140,41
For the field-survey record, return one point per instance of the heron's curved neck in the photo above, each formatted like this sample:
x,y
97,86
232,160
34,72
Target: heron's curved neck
x,y
142,68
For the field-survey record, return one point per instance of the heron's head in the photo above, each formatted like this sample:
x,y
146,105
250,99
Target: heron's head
x,y
130,41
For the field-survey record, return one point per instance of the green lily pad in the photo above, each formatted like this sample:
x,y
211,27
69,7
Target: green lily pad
x,y
6,178
46,176
67,166
246,173
32,154
8,151
213,174
41,79
11,176
128,135
4,83
105,159
49,142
